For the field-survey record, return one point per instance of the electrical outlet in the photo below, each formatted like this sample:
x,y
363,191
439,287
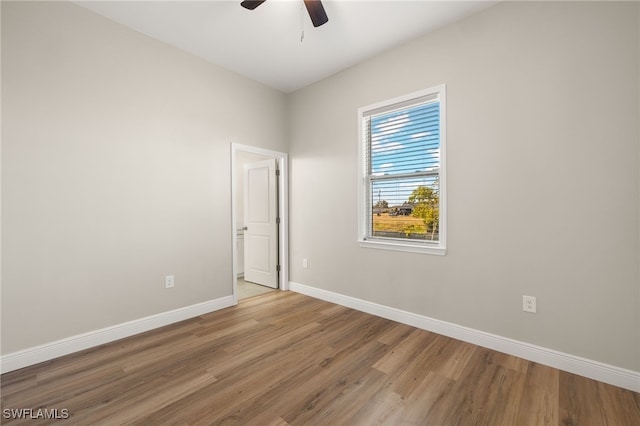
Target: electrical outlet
x,y
169,281
305,264
529,304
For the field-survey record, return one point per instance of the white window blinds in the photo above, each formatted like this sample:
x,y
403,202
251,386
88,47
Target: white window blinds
x,y
402,144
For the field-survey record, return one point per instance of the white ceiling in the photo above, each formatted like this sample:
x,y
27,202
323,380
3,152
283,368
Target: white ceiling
x,y
265,44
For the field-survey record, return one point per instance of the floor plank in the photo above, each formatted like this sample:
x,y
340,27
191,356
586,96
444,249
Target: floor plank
x,y
286,359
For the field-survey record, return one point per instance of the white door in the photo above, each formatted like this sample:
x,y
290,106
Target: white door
x,y
260,219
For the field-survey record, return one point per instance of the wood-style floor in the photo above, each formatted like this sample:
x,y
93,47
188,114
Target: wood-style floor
x,y
286,359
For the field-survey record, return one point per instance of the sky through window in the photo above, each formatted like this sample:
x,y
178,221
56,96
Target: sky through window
x,y
404,142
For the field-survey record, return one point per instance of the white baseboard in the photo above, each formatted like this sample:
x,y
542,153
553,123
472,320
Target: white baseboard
x,y
616,376
30,356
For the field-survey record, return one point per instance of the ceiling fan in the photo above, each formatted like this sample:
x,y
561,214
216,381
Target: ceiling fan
x,y
314,7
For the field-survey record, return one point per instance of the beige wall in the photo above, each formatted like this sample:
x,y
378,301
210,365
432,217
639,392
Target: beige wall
x,y
543,137
115,172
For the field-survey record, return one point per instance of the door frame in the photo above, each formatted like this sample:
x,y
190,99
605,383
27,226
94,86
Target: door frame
x,y
283,211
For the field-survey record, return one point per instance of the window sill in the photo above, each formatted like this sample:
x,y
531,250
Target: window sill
x,y
404,246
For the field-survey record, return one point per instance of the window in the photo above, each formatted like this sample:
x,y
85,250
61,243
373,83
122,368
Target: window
x,y
402,163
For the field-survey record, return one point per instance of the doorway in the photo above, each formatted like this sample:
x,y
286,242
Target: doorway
x,y
242,155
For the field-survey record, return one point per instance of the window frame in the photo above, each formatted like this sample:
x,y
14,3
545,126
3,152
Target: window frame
x,y
364,182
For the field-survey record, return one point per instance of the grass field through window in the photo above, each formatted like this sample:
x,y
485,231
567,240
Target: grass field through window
x,y
400,224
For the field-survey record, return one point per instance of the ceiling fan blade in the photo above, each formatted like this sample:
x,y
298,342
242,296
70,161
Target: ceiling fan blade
x,y
249,4
316,12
